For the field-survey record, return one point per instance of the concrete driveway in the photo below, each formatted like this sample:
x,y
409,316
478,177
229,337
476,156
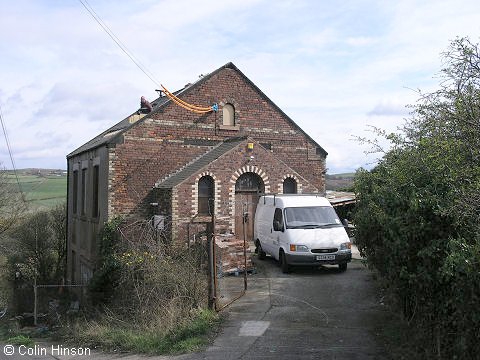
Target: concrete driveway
x,y
308,314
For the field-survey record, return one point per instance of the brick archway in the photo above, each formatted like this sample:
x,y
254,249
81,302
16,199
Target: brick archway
x,y
217,189
292,176
234,196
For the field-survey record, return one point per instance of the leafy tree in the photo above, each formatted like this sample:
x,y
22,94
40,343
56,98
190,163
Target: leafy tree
x,y
418,215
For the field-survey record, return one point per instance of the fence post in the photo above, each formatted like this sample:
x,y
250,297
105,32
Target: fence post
x,y
211,267
35,300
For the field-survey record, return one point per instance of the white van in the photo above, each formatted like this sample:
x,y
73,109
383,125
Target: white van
x,y
300,229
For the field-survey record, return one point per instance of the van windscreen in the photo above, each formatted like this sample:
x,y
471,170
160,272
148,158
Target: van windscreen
x,y
311,217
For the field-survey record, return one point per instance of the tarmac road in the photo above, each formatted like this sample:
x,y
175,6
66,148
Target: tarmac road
x,y
308,314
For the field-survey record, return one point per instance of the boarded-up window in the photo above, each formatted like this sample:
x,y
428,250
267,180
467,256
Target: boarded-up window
x,y
228,115
205,195
84,191
85,273
289,186
73,268
75,192
96,178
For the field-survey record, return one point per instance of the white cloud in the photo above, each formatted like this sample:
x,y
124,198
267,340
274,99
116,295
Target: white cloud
x,y
361,41
333,67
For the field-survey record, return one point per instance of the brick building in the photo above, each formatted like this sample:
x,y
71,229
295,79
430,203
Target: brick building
x,y
181,167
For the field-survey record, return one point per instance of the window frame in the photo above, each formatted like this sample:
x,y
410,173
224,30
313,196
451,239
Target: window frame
x,y
230,110
290,181
278,220
206,196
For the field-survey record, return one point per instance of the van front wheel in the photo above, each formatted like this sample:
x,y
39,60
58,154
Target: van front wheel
x,y
283,263
342,267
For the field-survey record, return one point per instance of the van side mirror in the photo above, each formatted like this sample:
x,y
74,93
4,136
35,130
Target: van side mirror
x,y
345,223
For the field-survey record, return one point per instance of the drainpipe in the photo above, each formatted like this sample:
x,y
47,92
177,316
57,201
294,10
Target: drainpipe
x,y
67,250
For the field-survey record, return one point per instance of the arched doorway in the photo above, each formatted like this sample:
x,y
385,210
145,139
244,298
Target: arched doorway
x,y
248,188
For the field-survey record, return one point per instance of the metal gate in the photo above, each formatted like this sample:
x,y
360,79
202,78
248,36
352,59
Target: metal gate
x,y
232,254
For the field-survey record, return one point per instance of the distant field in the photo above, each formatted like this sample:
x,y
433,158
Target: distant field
x,y
339,181
42,191
341,176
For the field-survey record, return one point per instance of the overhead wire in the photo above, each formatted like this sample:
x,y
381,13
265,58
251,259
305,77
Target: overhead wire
x,y
149,74
7,141
117,41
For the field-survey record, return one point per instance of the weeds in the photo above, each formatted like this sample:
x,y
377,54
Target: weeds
x,y
191,336
20,340
150,294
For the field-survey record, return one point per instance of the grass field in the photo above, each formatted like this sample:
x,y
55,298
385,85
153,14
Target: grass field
x,y
339,182
42,191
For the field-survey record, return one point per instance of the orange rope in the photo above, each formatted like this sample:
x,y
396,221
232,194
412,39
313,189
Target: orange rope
x,y
185,105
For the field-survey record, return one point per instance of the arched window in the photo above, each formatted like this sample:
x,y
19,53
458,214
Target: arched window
x,y
289,186
205,195
249,182
228,115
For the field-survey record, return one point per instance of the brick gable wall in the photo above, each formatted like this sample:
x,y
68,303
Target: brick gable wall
x,y
162,143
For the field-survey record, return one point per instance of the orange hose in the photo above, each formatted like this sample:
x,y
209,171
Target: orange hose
x,y
184,104
188,108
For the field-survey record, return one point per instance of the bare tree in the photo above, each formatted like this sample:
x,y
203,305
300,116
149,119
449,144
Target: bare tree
x,y
12,204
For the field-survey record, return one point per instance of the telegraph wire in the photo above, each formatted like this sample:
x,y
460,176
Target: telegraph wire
x,y
143,68
117,41
7,141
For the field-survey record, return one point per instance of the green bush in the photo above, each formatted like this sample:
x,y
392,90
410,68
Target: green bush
x,y
417,218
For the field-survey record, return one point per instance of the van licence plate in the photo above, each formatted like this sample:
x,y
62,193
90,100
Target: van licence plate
x,y
325,257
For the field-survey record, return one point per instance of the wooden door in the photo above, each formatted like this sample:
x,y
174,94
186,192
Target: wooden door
x,y
245,206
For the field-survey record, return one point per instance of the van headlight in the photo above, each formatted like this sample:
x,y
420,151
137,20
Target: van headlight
x,y
346,246
299,248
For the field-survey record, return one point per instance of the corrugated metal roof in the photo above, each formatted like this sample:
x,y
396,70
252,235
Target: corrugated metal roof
x,y
338,198
196,165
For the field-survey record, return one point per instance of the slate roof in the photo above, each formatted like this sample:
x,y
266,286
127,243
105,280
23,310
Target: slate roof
x,y
110,135
196,165
160,102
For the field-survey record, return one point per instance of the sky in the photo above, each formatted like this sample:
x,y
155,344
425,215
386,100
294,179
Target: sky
x,y
336,68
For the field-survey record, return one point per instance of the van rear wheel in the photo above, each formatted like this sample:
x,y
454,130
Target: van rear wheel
x,y
283,263
261,254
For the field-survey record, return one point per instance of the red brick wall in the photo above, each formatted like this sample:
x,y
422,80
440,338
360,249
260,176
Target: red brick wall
x,y
225,169
154,147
